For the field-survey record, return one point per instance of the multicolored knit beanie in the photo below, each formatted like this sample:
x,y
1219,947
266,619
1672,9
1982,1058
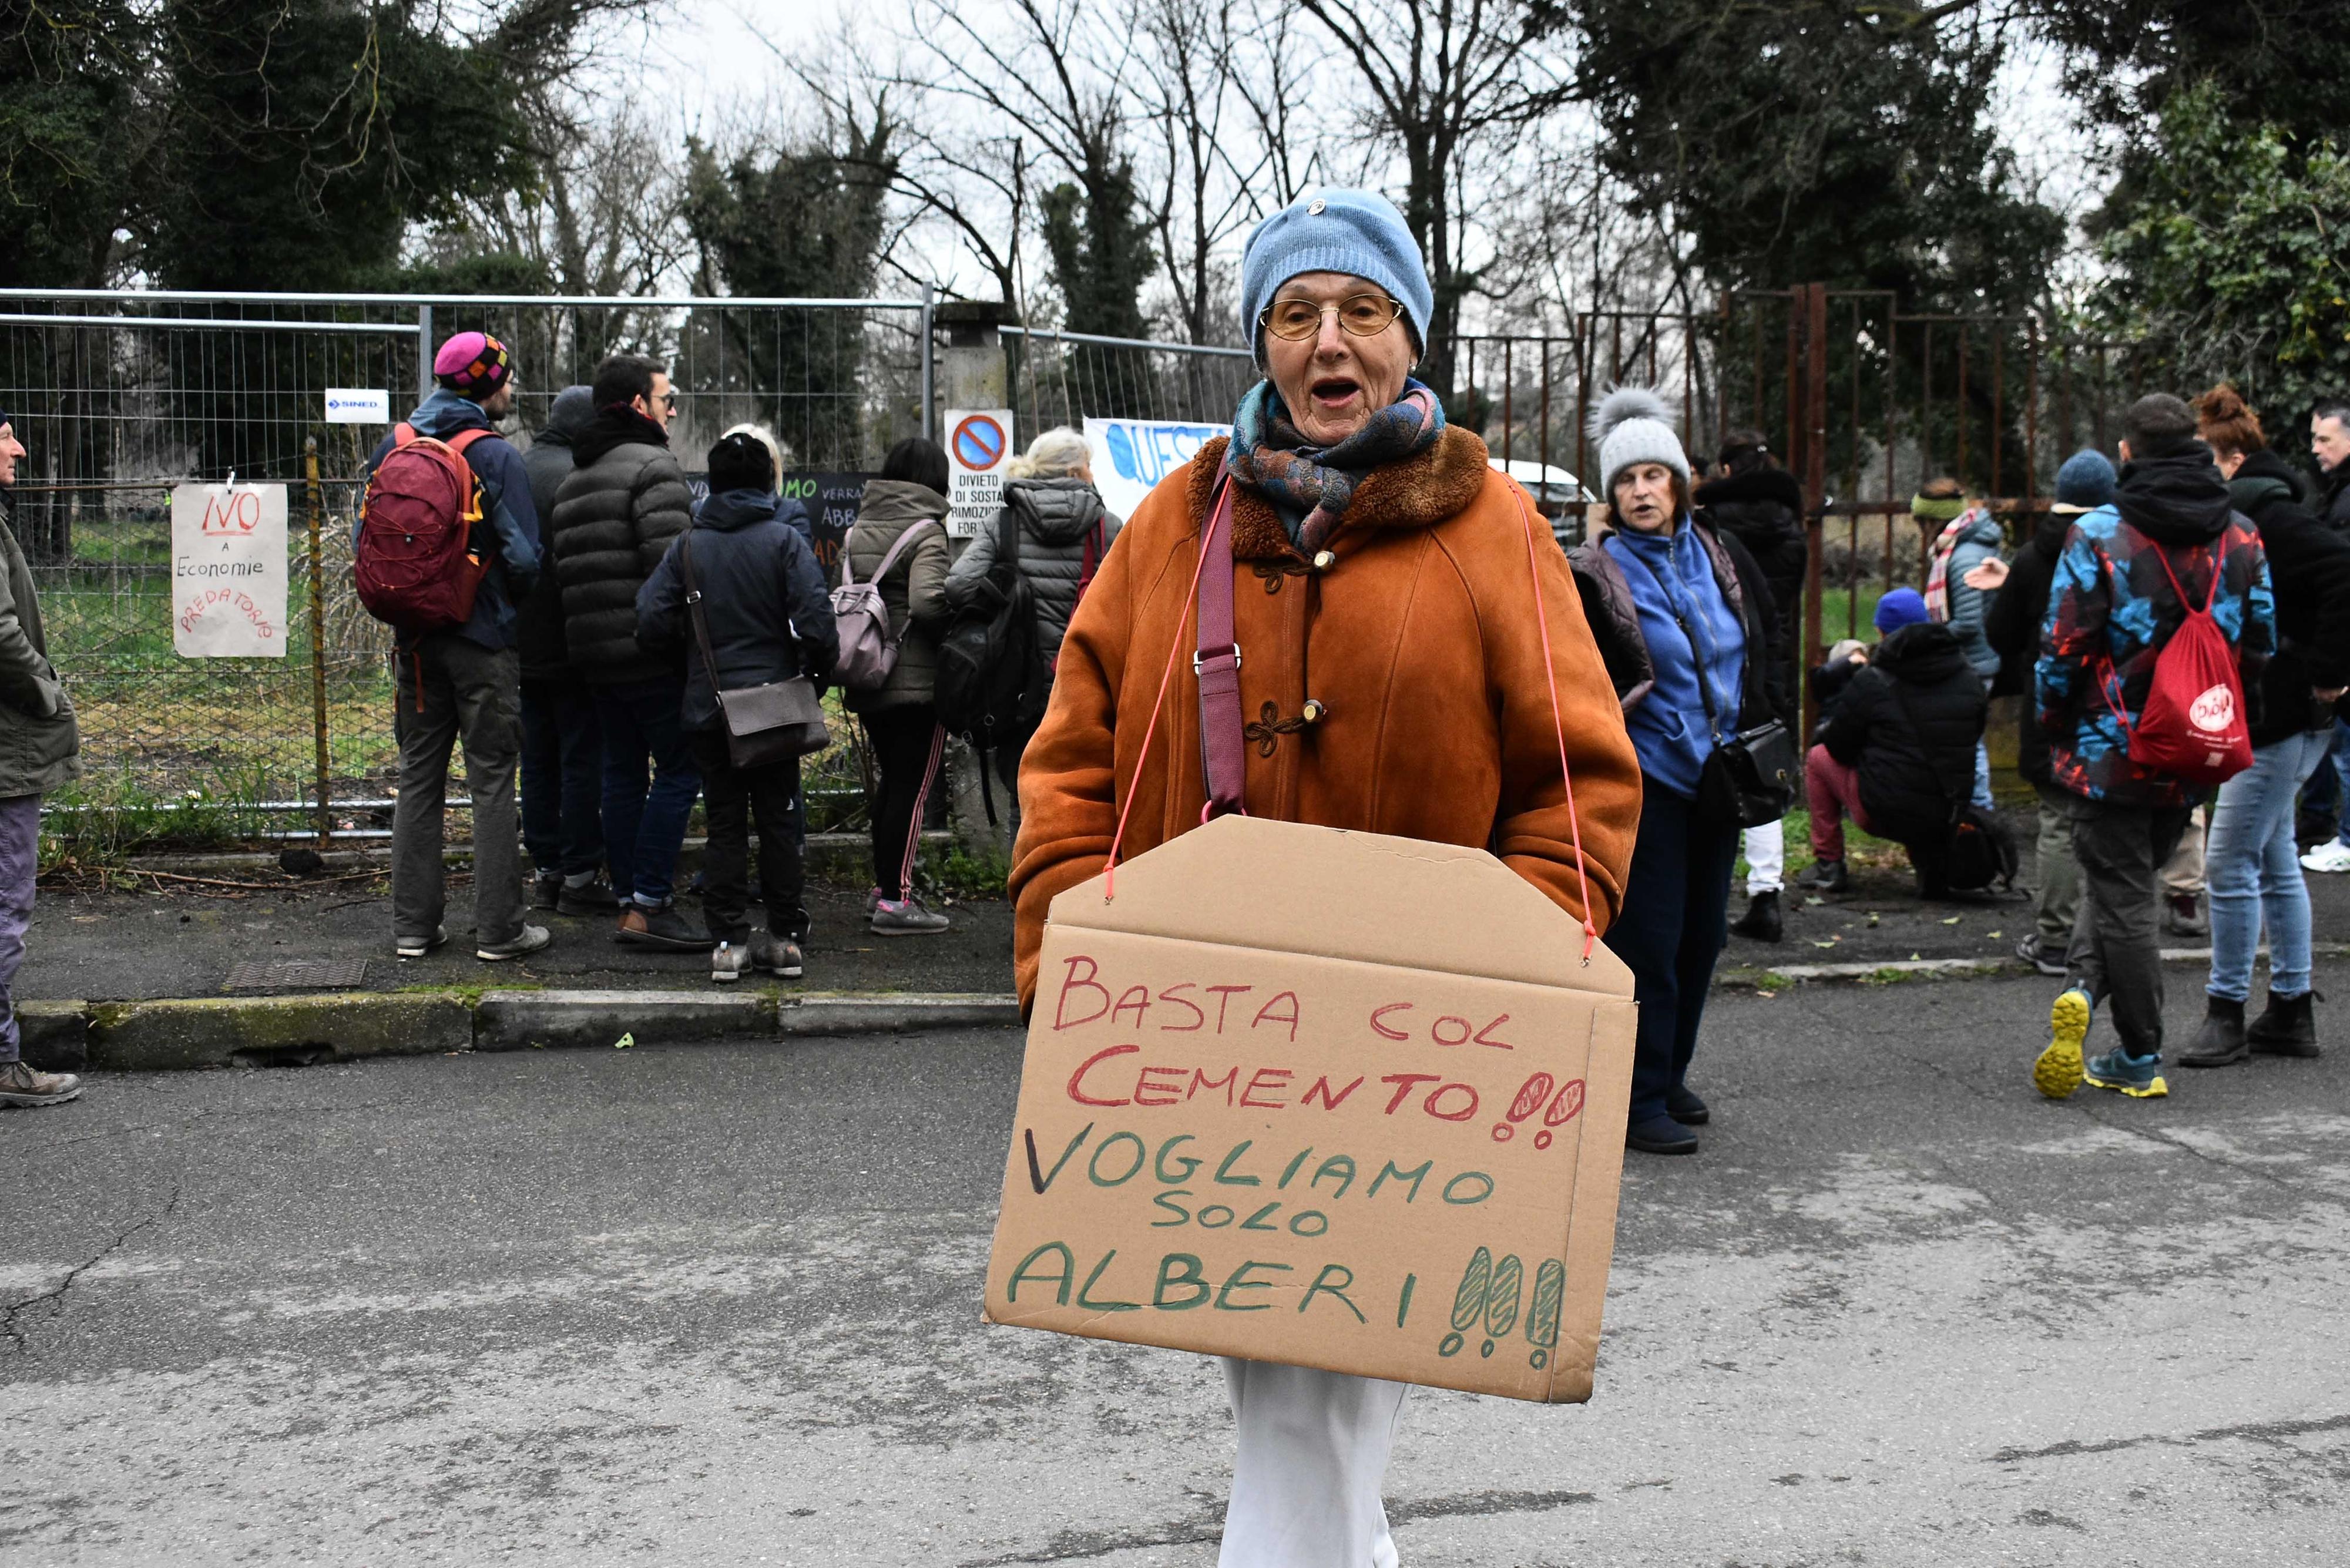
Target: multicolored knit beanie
x,y
473,365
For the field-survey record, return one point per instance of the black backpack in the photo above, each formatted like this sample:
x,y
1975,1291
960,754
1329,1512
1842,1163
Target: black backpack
x,y
991,675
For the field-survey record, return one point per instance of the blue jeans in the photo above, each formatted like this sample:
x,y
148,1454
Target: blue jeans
x,y
1982,775
644,825
2336,787
562,776
2252,869
1674,922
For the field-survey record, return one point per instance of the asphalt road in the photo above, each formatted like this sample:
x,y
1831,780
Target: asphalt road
x,y
719,1304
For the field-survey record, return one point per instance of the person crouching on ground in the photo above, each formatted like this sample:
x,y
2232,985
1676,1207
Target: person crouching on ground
x,y
768,618
1898,749
1351,500
40,748
2250,864
1682,615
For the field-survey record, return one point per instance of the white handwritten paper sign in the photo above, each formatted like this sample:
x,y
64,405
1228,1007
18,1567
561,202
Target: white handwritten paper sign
x,y
228,571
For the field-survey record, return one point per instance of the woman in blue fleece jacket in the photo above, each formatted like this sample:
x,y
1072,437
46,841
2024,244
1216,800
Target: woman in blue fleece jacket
x,y
1682,617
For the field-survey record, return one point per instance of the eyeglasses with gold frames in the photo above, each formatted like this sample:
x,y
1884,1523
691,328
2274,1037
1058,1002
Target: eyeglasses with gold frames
x,y
1359,315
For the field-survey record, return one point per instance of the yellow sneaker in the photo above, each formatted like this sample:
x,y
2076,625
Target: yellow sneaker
x,y
2058,1071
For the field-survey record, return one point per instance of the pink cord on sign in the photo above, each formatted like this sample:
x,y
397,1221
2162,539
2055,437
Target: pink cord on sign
x,y
1557,721
1109,871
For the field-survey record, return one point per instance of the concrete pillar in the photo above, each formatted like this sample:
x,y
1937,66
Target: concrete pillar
x,y
970,370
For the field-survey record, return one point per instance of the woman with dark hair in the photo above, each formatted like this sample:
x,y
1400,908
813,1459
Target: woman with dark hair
x,y
901,719
1682,615
2249,864
1754,501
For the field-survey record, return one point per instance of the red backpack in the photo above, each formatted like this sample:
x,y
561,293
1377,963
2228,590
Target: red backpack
x,y
2193,725
414,567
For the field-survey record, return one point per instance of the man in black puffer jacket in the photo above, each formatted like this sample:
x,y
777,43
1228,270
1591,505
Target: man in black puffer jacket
x,y
2011,627
768,616
1752,500
1899,754
615,516
562,745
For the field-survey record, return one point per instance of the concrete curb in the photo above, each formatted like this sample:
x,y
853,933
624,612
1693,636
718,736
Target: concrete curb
x,y
826,851
1949,968
280,1031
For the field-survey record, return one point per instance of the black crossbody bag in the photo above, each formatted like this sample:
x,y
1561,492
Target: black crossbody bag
x,y
1749,779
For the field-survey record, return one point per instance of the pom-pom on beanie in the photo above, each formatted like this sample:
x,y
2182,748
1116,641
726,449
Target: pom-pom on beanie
x,y
1632,425
473,365
1358,232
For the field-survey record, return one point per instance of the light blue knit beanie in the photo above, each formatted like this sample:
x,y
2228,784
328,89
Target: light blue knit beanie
x,y
1355,232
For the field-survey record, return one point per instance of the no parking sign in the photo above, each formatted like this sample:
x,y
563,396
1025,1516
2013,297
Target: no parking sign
x,y
979,446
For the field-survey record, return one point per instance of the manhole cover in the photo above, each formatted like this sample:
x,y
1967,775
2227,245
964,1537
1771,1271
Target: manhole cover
x,y
296,974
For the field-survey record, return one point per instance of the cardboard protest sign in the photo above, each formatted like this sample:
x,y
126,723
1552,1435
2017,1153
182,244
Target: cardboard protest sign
x,y
1328,1098
228,571
979,449
1132,455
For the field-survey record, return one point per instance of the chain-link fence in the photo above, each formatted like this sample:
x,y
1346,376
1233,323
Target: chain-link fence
x,y
120,396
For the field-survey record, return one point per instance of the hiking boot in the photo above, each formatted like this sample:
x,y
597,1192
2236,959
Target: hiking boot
x,y
2034,951
31,1087
1682,1104
728,961
2220,1041
2331,855
2287,1027
522,944
904,918
417,947
1762,921
590,899
2182,916
2139,1077
546,891
663,928
1824,877
2058,1071
778,956
1660,1135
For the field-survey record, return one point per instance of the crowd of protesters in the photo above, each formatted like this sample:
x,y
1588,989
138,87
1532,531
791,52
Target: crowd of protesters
x,y
617,608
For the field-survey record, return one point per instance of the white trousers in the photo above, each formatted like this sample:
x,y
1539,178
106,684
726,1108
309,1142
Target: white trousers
x,y
1306,1485
1766,858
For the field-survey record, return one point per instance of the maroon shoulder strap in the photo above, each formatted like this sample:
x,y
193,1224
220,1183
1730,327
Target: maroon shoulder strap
x,y
1222,745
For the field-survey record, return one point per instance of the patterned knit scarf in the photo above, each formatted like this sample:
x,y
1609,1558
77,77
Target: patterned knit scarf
x,y
1270,456
1938,576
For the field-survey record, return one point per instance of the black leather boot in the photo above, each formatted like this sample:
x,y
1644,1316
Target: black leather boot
x,y
2287,1028
2221,1039
1762,921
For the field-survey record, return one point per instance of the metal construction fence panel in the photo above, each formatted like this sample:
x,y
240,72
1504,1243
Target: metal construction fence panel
x,y
1064,379
121,396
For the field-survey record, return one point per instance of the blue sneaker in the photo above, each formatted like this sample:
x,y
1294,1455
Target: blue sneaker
x,y
2139,1077
2057,1073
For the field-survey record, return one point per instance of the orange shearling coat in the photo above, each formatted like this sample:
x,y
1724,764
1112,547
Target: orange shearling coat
x,y
1419,639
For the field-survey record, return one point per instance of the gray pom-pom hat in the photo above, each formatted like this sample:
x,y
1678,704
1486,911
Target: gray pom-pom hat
x,y
1632,425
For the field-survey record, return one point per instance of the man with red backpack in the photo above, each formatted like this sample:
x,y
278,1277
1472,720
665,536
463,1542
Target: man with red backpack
x,y
2158,624
447,545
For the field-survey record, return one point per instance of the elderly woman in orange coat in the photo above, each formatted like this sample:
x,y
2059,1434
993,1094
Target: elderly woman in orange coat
x,y
1393,681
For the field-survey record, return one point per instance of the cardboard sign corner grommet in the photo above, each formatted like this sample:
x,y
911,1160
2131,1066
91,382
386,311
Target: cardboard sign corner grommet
x,y
1323,1098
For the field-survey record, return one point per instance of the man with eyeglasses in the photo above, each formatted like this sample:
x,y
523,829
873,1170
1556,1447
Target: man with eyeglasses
x,y
625,499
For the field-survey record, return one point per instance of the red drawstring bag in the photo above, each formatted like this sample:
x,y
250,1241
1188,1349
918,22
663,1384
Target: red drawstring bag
x,y
2193,725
